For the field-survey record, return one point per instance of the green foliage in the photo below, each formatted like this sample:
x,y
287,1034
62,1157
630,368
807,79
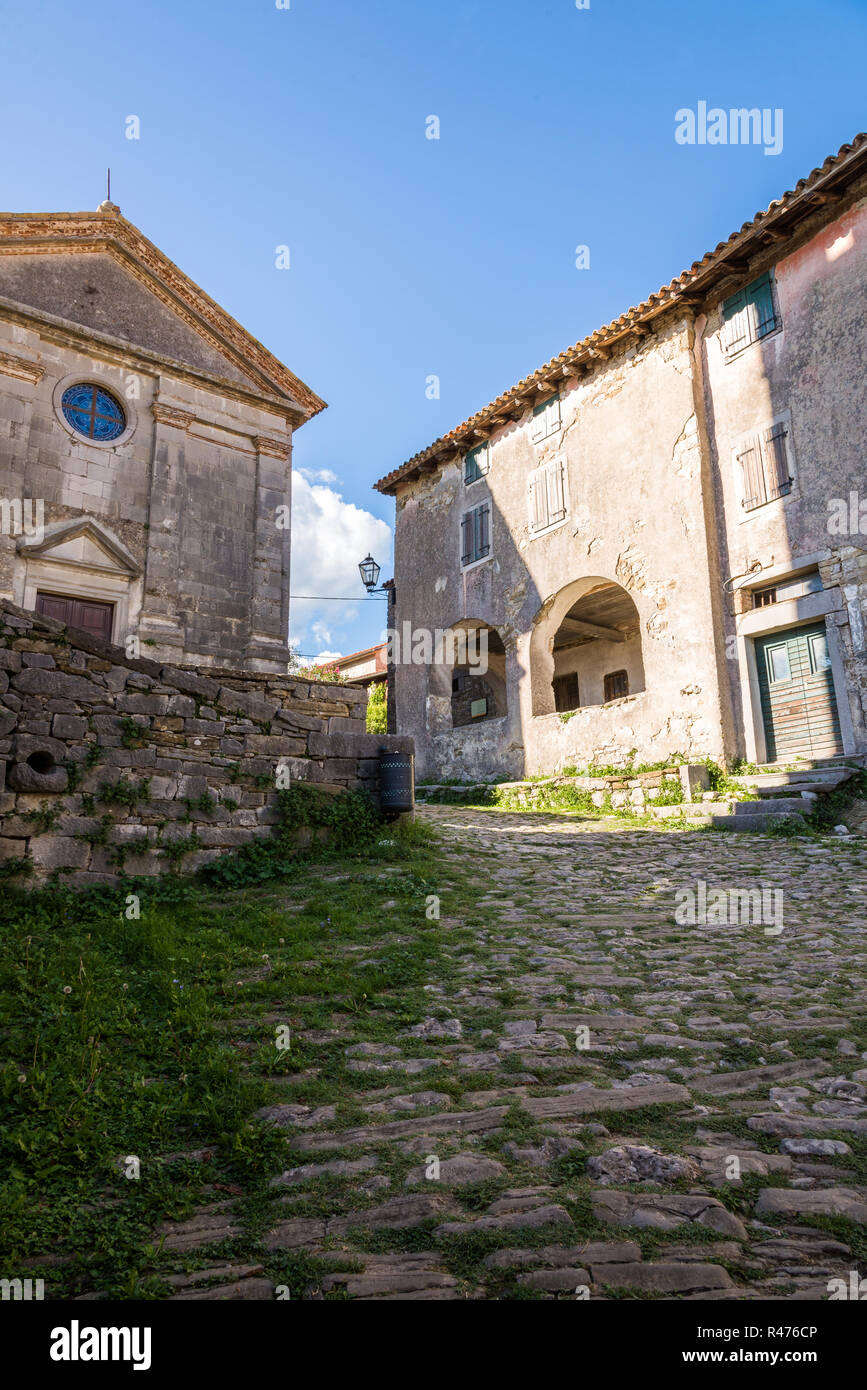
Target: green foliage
x,y
377,709
92,756
670,792
123,793
132,734
43,818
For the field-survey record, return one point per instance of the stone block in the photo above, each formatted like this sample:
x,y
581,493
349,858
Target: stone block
x,y
59,852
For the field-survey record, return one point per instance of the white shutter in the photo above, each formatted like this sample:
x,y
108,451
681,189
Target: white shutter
x,y
537,426
556,491
553,415
538,500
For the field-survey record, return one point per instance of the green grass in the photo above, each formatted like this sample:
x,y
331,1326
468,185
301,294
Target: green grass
x,y
118,1039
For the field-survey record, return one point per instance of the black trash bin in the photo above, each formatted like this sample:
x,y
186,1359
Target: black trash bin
x,y
396,782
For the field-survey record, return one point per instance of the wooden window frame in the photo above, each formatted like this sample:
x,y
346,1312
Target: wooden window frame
x,y
621,677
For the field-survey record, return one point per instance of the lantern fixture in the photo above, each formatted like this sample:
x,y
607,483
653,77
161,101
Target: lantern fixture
x,y
369,571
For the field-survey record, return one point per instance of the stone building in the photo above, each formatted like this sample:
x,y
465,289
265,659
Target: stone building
x,y
145,448
660,531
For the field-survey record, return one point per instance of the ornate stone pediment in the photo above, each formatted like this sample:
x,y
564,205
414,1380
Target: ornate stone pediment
x,y
83,542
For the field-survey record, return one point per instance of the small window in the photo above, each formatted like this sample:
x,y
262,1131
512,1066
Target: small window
x,y
750,315
766,468
819,658
478,709
547,495
477,463
566,693
762,598
616,686
476,534
546,419
93,412
779,668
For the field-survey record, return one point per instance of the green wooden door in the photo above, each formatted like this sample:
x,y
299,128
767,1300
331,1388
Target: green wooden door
x,y
799,706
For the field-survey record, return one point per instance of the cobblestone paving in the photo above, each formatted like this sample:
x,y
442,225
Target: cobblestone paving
x,y
602,1101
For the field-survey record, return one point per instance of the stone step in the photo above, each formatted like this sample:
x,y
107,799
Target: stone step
x,y
779,806
819,779
759,821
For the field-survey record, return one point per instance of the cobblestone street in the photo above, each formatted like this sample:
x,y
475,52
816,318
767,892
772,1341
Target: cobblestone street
x,y
634,1104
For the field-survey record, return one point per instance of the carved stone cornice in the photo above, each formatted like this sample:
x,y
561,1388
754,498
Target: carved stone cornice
x,y
274,448
172,415
20,367
62,233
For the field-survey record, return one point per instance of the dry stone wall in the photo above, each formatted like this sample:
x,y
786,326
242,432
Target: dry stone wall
x,y
109,763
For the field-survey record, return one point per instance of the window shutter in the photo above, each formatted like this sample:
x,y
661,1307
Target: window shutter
x,y
483,515
736,318
554,415
467,538
761,298
537,424
556,491
753,480
538,500
776,458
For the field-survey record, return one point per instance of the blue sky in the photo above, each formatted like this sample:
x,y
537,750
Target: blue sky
x,y
263,126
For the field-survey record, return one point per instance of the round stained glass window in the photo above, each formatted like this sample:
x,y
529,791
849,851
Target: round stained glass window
x,y
93,412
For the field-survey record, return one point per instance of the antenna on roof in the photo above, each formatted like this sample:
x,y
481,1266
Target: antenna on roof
x,y
108,205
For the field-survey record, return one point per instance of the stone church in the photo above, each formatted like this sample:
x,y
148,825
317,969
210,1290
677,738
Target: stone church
x,y
145,448
662,532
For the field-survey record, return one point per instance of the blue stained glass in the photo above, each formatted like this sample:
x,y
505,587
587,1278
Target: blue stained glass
x,y
93,412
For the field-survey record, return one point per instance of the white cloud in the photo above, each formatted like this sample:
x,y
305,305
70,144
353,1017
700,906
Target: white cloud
x,y
329,538
317,475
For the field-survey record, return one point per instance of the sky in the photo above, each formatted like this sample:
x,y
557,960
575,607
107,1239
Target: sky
x,y
307,125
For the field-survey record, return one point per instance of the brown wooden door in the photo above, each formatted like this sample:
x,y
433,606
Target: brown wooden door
x,y
92,618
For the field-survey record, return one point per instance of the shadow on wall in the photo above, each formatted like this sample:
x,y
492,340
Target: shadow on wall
x,y
585,647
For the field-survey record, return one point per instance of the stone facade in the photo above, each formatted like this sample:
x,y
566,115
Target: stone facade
x,y
108,763
180,525
595,521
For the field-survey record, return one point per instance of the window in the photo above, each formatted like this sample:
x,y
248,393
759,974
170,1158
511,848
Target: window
x,y
779,668
819,658
566,694
546,419
477,463
547,495
616,686
476,534
91,411
765,465
750,315
763,597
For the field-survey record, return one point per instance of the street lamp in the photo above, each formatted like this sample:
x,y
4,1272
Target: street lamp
x,y
369,571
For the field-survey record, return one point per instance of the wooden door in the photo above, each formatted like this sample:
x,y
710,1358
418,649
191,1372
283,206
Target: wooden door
x,y
799,705
91,617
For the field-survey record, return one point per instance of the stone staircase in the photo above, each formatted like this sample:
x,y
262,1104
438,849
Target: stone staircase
x,y
780,794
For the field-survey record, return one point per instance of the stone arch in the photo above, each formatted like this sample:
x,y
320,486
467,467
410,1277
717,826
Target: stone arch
x,y
469,667
589,631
